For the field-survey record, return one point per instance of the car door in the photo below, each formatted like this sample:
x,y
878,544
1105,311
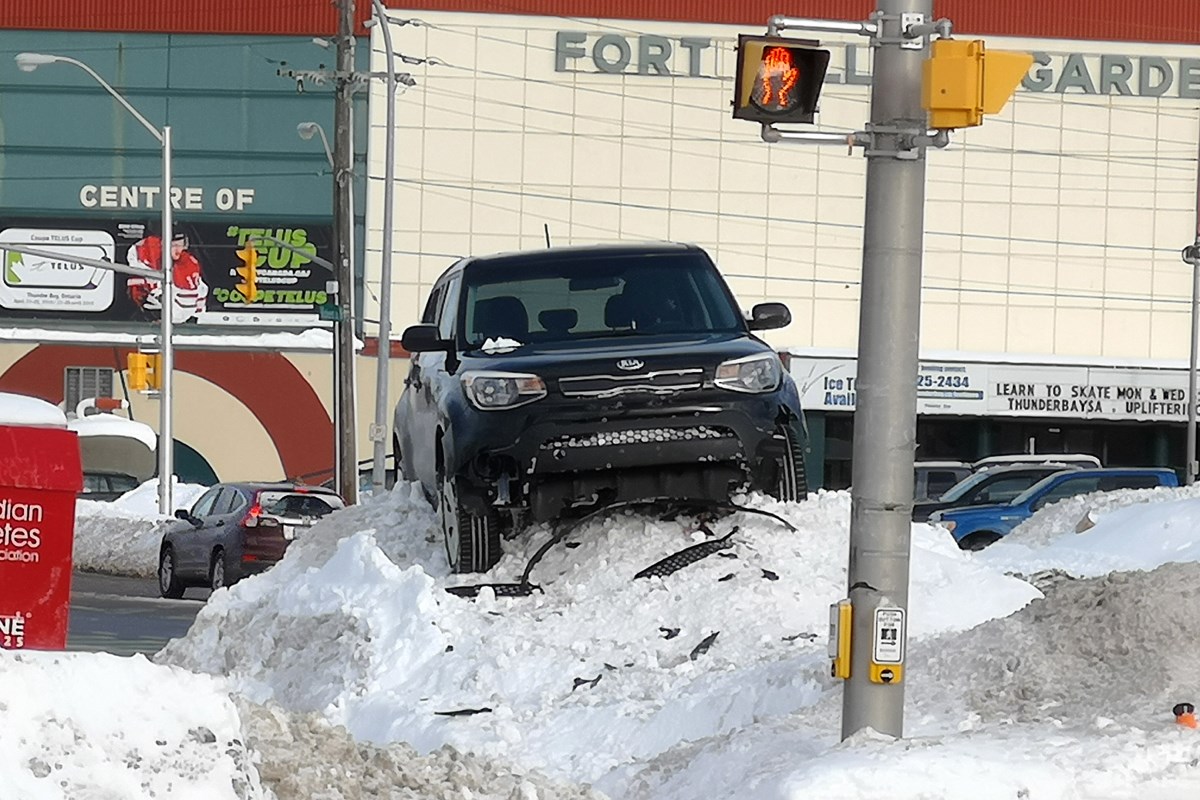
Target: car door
x,y
209,534
1003,488
428,379
1082,483
190,556
226,532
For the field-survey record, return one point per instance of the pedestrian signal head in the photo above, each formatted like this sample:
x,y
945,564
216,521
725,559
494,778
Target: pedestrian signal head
x,y
248,272
778,79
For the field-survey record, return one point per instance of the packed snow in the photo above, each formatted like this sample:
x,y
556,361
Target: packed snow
x,y
122,537
1034,669
111,425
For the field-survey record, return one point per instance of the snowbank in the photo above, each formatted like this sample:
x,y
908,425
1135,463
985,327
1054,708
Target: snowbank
x,y
19,409
93,725
1057,519
123,537
600,672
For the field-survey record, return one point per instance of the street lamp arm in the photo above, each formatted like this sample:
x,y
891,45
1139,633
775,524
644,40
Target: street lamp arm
x,y
116,95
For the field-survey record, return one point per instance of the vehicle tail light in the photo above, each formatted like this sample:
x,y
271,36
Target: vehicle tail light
x,y
251,518
249,557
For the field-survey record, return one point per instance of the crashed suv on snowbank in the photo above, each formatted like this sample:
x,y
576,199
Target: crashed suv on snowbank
x,y
550,383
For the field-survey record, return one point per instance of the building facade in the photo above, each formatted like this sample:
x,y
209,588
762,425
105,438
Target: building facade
x,y
81,175
1052,232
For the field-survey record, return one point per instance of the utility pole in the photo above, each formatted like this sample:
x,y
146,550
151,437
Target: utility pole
x,y
889,325
1191,256
343,245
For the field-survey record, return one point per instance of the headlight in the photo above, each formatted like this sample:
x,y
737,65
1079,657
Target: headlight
x,y
756,374
489,391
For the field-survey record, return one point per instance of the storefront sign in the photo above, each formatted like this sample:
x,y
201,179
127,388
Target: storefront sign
x,y
40,476
183,198
291,287
1010,390
696,57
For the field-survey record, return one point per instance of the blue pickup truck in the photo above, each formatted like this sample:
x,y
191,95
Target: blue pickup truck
x,y
975,527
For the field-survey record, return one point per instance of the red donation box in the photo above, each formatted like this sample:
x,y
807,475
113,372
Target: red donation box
x,y
40,475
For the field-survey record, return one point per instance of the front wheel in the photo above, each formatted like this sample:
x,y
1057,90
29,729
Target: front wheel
x,y
472,540
791,484
169,585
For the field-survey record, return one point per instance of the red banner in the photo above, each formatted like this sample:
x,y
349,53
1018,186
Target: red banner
x,y
40,475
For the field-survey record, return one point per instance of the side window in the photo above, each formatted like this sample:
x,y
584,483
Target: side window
x,y
448,314
432,305
1003,489
204,505
1130,482
938,482
228,502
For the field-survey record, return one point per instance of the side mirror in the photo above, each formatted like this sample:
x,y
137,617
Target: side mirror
x,y
186,516
769,316
422,339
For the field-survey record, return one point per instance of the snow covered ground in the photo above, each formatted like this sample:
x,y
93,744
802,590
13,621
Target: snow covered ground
x,y
711,682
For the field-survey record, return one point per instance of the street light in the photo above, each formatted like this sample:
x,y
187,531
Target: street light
x,y
383,356
28,62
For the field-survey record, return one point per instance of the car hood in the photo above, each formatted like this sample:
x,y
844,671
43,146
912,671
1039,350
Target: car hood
x,y
983,511
617,355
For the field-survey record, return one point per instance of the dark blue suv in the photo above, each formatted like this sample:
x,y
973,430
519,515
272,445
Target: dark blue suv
x,y
975,527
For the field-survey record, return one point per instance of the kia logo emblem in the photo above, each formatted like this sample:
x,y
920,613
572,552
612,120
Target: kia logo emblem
x,y
630,364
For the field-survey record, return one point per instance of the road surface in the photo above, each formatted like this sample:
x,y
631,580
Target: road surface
x,y
124,616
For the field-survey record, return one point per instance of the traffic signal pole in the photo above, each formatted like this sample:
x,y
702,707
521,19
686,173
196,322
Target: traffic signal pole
x,y
885,415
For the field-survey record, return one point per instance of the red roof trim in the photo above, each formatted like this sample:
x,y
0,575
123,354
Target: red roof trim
x,y
1170,21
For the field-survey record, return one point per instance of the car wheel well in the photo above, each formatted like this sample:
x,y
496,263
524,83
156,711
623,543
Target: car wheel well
x,y
439,454
977,540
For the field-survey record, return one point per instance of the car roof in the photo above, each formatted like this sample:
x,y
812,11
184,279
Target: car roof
x,y
1047,466
276,486
940,464
1037,458
623,249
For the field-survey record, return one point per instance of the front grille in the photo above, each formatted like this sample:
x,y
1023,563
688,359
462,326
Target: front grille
x,y
641,436
663,382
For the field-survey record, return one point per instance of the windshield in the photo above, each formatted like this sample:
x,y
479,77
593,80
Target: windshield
x,y
582,295
960,489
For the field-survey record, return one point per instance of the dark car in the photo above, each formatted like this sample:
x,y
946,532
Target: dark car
x,y
235,530
988,487
976,527
550,383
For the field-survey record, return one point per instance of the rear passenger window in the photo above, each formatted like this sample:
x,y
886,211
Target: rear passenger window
x,y
1130,482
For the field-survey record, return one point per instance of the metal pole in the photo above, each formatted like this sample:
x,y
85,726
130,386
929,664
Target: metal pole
x,y
889,323
343,237
166,438
1192,256
379,438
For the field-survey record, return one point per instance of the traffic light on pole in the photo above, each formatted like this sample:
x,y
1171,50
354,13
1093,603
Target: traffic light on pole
x,y
962,81
138,366
248,273
778,79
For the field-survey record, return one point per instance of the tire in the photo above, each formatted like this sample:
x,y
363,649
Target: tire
x,y
472,541
978,541
791,482
217,578
169,585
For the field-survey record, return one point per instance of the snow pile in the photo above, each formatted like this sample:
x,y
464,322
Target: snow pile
x,y
1137,536
99,726
19,409
110,425
122,537
1062,517
1067,698
600,672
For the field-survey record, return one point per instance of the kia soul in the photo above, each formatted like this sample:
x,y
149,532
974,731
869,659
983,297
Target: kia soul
x,y
552,383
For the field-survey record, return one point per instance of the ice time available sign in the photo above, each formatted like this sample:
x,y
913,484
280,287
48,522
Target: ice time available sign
x,y
1010,390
